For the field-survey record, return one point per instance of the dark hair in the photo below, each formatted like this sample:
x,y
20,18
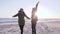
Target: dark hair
x,y
20,9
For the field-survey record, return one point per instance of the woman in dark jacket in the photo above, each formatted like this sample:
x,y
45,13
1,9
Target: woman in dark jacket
x,y
21,21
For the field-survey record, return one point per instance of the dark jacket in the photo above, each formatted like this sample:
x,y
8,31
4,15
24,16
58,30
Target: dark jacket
x,y
21,16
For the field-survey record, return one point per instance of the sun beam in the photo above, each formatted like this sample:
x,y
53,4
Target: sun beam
x,y
43,12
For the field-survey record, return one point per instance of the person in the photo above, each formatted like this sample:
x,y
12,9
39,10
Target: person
x,y
21,21
34,19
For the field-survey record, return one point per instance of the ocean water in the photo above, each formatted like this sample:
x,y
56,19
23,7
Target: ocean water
x,y
11,20
15,20
8,20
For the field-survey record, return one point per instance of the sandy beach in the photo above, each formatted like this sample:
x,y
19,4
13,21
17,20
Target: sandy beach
x,y
9,29
13,29
42,28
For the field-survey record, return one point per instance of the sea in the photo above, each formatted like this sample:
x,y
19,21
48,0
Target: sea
x,y
15,20
12,20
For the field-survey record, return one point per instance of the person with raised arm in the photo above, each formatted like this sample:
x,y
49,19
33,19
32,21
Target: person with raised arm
x,y
34,18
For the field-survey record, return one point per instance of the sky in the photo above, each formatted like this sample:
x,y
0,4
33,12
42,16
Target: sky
x,y
46,8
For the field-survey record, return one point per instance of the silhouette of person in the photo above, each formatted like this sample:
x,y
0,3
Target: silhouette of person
x,y
34,18
21,21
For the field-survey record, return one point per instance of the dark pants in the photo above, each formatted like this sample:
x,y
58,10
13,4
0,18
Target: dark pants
x,y
21,28
33,27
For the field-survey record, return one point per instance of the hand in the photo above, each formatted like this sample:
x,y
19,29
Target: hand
x,y
37,2
28,18
13,16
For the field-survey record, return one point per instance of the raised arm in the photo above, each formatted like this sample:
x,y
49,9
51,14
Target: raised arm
x,y
15,15
37,4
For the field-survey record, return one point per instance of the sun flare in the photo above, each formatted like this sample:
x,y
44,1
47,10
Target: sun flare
x,y
43,12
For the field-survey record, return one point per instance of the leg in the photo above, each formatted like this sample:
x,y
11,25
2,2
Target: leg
x,y
21,28
33,29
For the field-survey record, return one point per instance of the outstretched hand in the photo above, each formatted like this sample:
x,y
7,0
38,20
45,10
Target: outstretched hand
x,y
28,18
13,16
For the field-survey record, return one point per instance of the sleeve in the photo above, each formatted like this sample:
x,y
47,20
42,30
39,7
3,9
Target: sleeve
x,y
15,15
26,16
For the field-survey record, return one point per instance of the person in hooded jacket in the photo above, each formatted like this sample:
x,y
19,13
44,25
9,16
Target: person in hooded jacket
x,y
21,20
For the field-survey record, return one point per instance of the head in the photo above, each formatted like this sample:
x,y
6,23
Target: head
x,y
21,9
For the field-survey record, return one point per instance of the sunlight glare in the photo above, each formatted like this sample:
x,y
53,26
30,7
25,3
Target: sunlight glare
x,y
42,12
